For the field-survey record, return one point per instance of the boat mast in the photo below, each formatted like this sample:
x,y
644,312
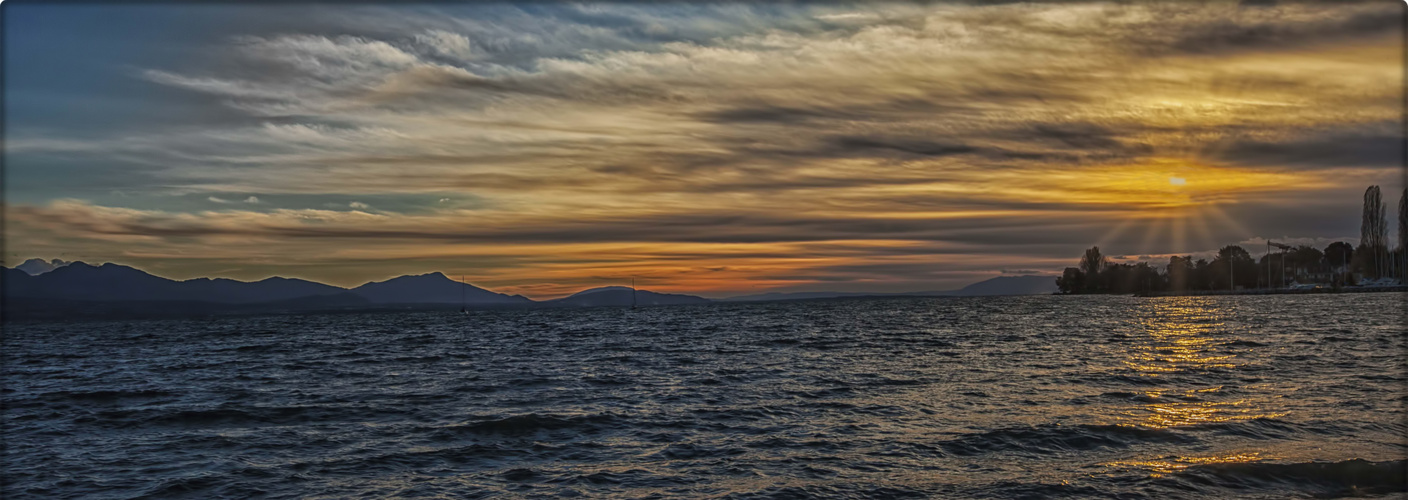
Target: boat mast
x,y
633,293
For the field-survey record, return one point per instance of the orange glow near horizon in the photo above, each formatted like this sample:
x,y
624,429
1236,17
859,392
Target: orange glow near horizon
x,y
909,147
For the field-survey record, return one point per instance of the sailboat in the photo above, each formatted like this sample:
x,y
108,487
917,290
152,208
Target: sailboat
x,y
463,306
633,293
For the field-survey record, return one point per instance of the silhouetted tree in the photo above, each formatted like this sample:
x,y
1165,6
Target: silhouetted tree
x,y
1403,236
1233,267
1092,264
1144,278
1338,257
1117,278
1180,273
1071,281
1373,232
1202,275
1305,260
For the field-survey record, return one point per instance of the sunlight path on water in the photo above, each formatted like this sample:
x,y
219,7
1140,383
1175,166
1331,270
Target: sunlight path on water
x,y
1037,397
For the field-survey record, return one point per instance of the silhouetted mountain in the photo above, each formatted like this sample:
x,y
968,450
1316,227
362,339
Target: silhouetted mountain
x,y
433,288
1009,285
117,283
108,282
265,290
116,290
13,277
621,296
35,267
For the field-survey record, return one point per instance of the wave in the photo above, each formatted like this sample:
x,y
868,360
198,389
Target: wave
x,y
231,416
1244,343
106,396
695,451
530,423
1334,479
1262,428
831,491
1047,439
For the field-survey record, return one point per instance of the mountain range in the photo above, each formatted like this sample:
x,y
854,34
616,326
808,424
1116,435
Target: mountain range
x,y
624,296
38,266
62,289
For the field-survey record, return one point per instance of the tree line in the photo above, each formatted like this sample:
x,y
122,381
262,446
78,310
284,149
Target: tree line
x,y
1233,267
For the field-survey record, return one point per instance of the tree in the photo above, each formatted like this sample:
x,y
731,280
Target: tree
x,y
1180,273
1373,231
1145,278
1202,275
1305,259
1234,267
1071,281
1403,235
1338,256
1092,263
1403,220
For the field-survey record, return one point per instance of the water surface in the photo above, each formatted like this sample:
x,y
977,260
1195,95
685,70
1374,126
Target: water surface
x,y
1039,397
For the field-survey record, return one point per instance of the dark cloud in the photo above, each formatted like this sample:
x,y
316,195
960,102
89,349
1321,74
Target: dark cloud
x,y
1229,34
884,110
1078,135
679,228
1317,150
900,140
914,146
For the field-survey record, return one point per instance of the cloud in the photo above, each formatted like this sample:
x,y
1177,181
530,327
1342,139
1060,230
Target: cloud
x,y
447,44
895,130
1372,147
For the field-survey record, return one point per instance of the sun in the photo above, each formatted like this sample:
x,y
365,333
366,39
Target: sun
x,y
1177,181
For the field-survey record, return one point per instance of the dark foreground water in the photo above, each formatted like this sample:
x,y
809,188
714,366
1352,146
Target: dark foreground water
x,y
1036,397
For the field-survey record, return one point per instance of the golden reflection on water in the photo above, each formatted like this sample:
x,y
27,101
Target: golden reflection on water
x,y
1171,465
1183,414
1185,336
1180,337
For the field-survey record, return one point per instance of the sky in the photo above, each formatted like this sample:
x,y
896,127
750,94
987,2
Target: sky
x,y
542,148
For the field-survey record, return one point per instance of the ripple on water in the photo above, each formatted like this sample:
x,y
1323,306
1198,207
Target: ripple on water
x,y
1035,397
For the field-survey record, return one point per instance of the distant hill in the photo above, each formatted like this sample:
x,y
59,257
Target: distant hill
x,y
111,290
61,289
265,290
621,296
433,288
35,267
108,282
117,283
1009,285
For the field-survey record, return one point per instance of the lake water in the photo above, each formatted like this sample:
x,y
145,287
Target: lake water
x,y
1037,397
